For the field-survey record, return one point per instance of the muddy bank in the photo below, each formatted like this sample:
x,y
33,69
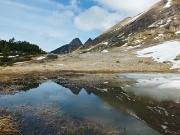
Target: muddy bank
x,y
117,60
12,82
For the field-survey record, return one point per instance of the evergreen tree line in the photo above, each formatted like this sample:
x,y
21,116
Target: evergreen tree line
x,y
17,47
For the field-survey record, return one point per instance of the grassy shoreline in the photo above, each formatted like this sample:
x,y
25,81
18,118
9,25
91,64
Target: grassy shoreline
x,y
11,80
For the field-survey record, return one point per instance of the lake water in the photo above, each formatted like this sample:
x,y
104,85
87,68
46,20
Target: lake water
x,y
147,107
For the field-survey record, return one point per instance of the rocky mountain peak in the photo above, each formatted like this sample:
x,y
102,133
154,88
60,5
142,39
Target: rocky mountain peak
x,y
68,48
88,41
75,41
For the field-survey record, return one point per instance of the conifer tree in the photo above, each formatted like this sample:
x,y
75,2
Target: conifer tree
x,y
6,50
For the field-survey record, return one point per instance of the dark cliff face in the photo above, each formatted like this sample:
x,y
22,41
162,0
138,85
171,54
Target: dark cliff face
x,y
68,48
156,14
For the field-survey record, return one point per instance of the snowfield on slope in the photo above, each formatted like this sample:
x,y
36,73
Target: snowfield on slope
x,y
165,52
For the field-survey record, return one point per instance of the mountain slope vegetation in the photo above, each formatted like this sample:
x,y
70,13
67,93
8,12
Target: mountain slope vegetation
x,y
162,18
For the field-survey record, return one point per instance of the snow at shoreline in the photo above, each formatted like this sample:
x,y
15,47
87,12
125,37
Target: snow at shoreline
x,y
163,53
158,86
175,84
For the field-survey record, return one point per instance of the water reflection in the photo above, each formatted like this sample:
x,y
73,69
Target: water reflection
x,y
161,115
160,87
106,103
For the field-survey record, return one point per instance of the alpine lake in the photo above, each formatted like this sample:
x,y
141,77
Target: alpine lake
x,y
87,104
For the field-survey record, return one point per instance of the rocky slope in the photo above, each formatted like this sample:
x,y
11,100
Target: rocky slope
x,y
157,24
68,48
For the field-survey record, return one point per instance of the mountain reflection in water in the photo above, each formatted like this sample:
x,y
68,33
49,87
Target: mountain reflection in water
x,y
163,116
105,103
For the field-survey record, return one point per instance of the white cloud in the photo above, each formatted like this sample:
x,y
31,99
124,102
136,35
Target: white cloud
x,y
109,12
19,5
58,19
73,5
43,23
130,7
96,18
51,24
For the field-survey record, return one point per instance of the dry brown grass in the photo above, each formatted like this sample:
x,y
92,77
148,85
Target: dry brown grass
x,y
117,60
8,126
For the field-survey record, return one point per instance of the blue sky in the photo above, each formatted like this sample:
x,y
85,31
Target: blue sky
x,y
53,23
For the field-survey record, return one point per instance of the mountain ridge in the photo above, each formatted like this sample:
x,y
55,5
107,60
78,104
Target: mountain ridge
x,y
163,16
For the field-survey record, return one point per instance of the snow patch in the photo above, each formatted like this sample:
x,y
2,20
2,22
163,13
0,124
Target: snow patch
x,y
152,25
178,32
175,84
161,87
11,56
161,35
164,127
163,25
168,4
105,82
133,47
19,63
105,43
163,52
120,35
41,58
105,51
160,24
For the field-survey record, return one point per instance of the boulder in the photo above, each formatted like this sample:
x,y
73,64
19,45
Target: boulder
x,y
52,56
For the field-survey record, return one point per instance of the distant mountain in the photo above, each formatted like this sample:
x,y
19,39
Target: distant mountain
x,y
159,23
88,41
68,48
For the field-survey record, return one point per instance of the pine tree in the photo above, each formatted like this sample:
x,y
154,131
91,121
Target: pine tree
x,y
6,51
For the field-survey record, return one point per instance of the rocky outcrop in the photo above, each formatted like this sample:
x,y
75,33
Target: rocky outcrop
x,y
68,48
51,56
